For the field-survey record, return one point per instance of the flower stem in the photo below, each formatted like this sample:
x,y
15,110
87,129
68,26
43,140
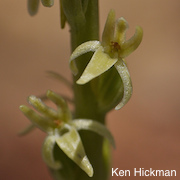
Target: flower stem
x,y
86,105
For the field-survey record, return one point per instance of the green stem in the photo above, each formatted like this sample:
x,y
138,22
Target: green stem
x,y
86,105
85,100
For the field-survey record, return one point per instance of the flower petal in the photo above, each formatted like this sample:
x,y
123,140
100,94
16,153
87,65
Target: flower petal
x,y
87,124
99,63
131,45
72,146
108,32
47,152
120,31
125,76
63,109
41,122
42,108
82,49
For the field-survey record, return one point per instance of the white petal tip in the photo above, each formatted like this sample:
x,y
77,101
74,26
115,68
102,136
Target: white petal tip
x,y
87,167
23,108
119,106
81,81
32,99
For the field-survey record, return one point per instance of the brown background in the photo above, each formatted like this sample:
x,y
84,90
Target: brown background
x,y
146,130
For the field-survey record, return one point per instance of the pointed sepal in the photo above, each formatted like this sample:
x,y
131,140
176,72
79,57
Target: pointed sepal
x,y
80,50
42,108
108,32
42,123
120,31
126,79
47,152
71,144
64,112
99,63
132,44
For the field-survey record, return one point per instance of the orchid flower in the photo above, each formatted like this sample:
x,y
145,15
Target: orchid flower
x,y
62,130
110,52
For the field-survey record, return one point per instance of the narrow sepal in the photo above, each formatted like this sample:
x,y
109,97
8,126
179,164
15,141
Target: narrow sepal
x,y
33,6
108,32
47,3
132,44
61,104
126,79
47,152
120,31
27,130
87,124
41,122
82,49
42,108
99,63
72,146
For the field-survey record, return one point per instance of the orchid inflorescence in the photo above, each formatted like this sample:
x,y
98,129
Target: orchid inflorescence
x,y
59,124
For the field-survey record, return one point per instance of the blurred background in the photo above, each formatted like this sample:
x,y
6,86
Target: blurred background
x,y
146,130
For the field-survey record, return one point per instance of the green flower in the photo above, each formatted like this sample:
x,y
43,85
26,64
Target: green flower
x,y
110,52
62,130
